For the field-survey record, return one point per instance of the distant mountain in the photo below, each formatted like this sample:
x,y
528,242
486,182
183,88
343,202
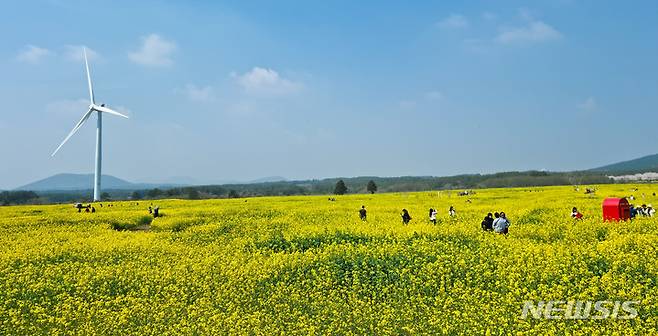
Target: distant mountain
x,y
268,179
643,164
76,182
191,181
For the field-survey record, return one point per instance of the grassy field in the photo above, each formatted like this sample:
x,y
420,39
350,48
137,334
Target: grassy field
x,y
307,265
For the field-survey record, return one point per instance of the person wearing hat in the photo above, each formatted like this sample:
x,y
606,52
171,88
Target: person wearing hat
x,y
644,211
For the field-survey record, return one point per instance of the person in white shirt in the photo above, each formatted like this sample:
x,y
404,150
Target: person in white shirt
x,y
452,211
575,214
501,224
433,216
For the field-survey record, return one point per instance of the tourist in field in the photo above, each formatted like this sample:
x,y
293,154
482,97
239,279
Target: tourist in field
x,y
644,211
405,216
452,212
487,223
433,216
650,210
575,214
363,213
93,209
633,211
501,224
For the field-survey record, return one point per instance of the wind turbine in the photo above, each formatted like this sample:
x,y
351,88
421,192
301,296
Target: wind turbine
x,y
99,109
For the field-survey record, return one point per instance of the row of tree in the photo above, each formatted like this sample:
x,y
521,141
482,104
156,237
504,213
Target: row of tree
x,y
341,187
338,186
18,197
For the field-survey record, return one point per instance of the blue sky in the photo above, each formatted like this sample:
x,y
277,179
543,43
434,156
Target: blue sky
x,y
308,89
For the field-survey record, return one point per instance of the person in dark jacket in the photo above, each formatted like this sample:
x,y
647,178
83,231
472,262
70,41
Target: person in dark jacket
x,y
405,216
487,223
633,211
363,213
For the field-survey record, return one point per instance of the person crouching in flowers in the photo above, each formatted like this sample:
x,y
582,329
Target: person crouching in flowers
x,y
575,214
487,223
405,216
501,224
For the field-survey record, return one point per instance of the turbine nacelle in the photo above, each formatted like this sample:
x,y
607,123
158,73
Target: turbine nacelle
x,y
104,109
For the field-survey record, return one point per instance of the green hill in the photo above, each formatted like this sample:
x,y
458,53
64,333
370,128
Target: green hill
x,y
640,165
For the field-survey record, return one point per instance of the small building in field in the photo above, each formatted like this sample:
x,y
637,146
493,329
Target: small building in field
x,y
616,209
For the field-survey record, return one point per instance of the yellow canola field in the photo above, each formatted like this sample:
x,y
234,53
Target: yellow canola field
x,y
308,265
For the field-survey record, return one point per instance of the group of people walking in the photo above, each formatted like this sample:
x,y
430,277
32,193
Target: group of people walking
x,y
497,222
406,218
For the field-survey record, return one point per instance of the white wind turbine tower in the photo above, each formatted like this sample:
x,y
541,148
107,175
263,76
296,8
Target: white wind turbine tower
x,y
99,109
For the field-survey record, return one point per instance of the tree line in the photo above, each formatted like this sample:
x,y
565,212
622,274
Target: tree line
x,y
338,186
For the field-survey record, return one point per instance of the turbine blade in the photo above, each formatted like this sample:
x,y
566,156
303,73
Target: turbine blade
x,y
91,89
75,129
109,110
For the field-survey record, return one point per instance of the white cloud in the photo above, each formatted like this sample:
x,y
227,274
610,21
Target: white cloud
x,y
588,105
434,95
68,107
242,109
199,94
476,45
407,104
535,31
266,81
489,16
454,21
526,14
155,51
75,53
33,54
